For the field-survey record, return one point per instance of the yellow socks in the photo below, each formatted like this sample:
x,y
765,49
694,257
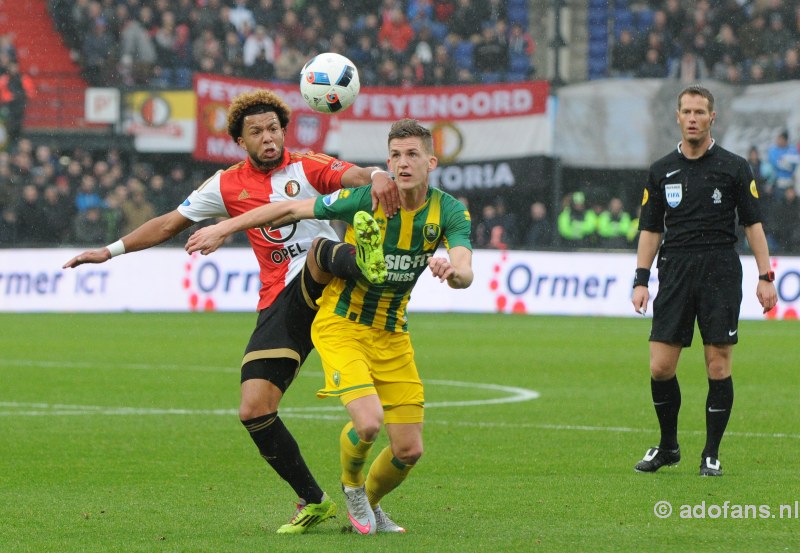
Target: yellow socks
x,y
385,474
353,453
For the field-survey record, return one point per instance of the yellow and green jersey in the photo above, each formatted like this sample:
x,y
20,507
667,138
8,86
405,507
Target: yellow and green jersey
x,y
410,238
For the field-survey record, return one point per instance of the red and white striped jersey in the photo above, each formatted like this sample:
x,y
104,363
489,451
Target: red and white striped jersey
x,y
280,252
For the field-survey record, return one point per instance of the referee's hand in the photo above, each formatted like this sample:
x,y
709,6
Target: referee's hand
x,y
641,296
767,295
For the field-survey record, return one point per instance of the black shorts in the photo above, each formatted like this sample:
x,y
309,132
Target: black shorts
x,y
283,333
706,286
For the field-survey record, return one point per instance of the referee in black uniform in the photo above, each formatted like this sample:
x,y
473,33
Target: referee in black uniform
x,y
692,199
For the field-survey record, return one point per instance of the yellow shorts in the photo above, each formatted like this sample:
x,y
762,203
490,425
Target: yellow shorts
x,y
359,360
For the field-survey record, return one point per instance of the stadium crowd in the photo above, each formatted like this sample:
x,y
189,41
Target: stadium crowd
x,y
735,41
81,197
161,43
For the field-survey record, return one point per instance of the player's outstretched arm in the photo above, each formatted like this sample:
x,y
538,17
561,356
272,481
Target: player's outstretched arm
x,y
209,239
151,233
457,270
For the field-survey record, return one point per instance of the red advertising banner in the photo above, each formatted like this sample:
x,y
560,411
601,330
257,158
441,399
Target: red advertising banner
x,y
468,102
471,122
307,129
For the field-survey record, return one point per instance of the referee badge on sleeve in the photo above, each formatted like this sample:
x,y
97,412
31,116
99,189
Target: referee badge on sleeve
x,y
674,194
753,189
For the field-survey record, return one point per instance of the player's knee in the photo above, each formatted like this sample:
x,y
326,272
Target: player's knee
x,y
408,454
661,373
368,430
718,370
253,407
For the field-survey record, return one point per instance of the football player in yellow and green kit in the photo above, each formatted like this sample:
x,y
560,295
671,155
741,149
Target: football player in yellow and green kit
x,y
361,329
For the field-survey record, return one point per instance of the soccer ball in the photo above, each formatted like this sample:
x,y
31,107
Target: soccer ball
x,y
329,83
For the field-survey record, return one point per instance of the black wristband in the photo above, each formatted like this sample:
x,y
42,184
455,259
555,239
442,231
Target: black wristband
x,y
642,278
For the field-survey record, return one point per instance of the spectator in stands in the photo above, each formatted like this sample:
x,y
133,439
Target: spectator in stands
x,y
490,56
289,63
489,233
576,224
790,67
366,56
31,222
290,28
444,72
207,49
58,213
540,230
755,32
689,68
268,13
786,222
87,195
778,39
652,67
613,225
423,46
762,170
241,17
8,227
136,209
520,42
676,18
89,227
626,55
396,31
15,89
784,159
95,50
466,20
137,52
260,44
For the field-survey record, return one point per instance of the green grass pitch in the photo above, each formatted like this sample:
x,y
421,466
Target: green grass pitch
x,y
119,432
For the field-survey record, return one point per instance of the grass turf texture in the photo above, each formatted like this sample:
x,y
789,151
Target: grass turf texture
x,y
120,433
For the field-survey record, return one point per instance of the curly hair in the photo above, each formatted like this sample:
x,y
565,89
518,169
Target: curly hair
x,y
252,102
408,128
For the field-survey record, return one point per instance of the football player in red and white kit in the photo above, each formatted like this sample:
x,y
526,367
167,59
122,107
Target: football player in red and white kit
x,y
257,122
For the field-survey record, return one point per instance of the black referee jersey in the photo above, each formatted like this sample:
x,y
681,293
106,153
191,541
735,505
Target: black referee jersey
x,y
694,202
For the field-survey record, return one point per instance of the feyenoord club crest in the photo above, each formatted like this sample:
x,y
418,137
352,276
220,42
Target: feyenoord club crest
x,y
674,194
292,188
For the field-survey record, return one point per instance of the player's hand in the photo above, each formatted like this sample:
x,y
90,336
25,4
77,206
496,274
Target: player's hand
x,y
205,240
641,296
384,191
767,295
441,268
100,255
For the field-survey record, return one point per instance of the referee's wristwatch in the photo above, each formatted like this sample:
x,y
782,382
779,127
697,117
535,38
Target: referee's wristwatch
x,y
769,276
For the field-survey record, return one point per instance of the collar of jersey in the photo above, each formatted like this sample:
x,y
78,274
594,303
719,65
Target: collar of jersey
x,y
708,151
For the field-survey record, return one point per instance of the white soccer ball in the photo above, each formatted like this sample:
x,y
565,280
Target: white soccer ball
x,y
329,83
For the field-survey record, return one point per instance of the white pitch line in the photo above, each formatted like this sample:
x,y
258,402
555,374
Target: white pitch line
x,y
43,409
